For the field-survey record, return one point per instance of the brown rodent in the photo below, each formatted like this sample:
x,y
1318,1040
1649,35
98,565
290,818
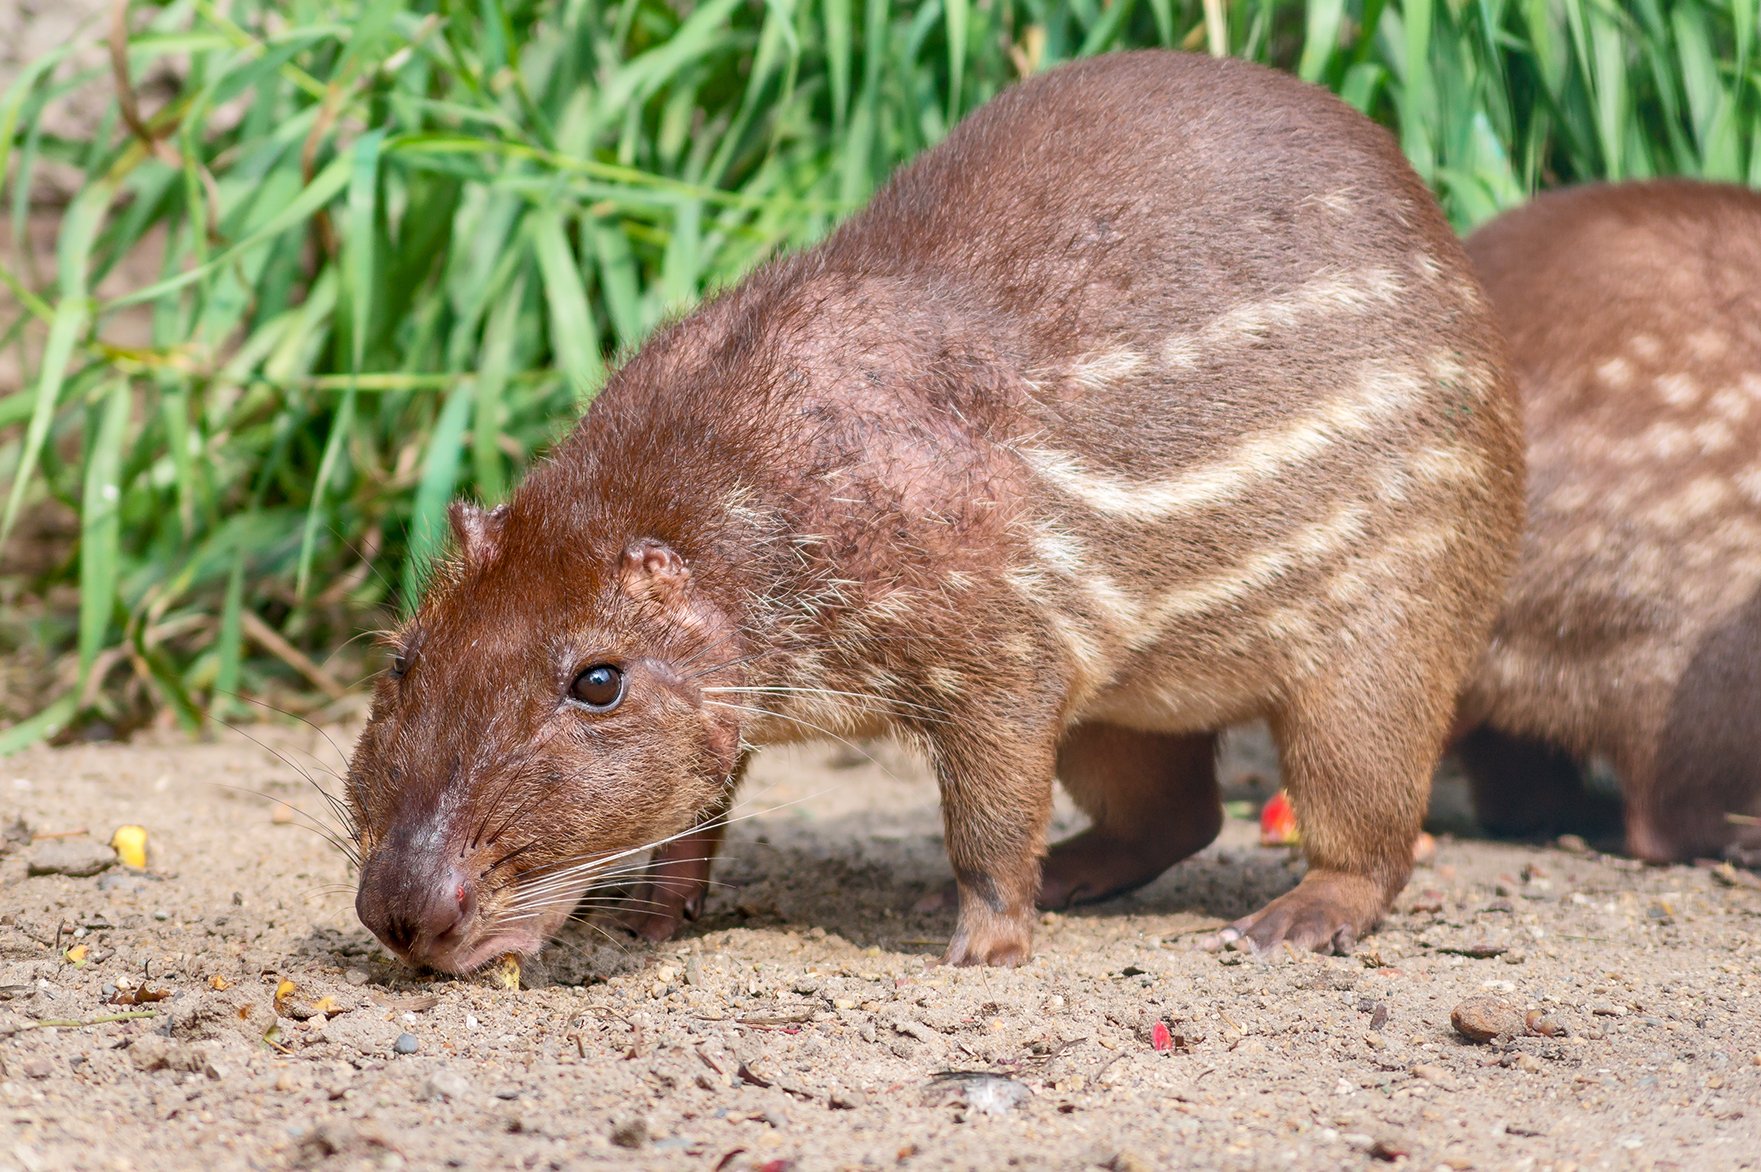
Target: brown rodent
x,y
1158,397
1632,632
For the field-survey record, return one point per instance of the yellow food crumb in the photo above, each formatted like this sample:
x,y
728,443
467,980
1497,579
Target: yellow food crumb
x,y
76,956
505,972
219,983
283,992
130,844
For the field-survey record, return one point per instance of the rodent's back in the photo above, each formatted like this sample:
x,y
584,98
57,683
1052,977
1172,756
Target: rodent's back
x,y
1633,625
1257,367
1141,190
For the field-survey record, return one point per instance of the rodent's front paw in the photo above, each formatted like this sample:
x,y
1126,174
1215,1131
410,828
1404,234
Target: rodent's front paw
x,y
1324,913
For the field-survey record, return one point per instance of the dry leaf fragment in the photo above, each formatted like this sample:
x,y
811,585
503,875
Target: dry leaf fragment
x,y
219,983
140,995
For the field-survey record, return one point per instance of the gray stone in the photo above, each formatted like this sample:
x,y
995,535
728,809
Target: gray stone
x,y
445,1085
78,857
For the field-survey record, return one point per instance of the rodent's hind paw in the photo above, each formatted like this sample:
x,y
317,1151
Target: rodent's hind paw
x,y
1326,912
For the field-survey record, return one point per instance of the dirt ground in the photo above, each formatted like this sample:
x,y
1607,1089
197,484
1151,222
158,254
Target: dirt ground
x,y
803,1023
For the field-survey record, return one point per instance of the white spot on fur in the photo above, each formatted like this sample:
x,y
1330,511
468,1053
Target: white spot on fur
x,y
1714,435
1105,369
1426,266
1734,403
1668,442
1645,346
1085,656
1254,574
1616,373
1438,466
1060,551
1330,295
1678,389
1748,482
943,682
889,608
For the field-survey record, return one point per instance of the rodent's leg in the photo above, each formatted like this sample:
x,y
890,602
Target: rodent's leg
x,y
672,889
1152,799
1525,788
1357,758
1683,783
996,800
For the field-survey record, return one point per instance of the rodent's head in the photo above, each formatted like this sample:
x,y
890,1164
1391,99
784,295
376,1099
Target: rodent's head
x,y
543,712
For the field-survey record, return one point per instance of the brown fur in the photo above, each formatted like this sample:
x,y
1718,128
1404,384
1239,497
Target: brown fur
x,y
1632,632
1158,397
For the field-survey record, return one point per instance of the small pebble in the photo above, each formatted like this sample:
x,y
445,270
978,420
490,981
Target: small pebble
x,y
406,1044
38,1067
356,976
1480,1019
630,1133
1432,1074
1542,1025
1390,1149
444,1084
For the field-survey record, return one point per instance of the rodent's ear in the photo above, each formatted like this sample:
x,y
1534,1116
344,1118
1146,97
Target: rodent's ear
x,y
653,570
476,529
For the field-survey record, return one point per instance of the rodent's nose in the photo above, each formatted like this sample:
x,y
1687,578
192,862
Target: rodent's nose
x,y
411,912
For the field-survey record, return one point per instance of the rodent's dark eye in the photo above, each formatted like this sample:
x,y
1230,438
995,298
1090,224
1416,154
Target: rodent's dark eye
x,y
599,687
400,663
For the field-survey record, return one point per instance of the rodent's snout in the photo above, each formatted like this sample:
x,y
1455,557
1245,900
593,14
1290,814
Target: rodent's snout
x,y
420,914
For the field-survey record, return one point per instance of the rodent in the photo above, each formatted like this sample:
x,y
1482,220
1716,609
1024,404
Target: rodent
x,y
1632,631
1159,396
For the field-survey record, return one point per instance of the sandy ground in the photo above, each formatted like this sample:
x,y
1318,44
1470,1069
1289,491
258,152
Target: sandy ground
x,y
803,1024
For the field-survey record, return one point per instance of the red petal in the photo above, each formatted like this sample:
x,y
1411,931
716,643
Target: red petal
x,y
1278,822
1160,1038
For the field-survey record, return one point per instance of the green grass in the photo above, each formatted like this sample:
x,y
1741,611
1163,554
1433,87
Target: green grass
x,y
401,241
